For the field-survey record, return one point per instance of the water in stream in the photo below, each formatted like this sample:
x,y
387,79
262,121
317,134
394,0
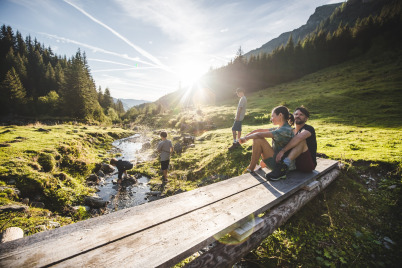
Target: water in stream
x,y
132,195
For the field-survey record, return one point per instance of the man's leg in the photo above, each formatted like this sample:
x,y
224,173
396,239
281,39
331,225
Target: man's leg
x,y
297,150
238,135
261,147
234,136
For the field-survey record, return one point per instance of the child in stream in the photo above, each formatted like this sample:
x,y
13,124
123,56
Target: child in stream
x,y
122,166
165,147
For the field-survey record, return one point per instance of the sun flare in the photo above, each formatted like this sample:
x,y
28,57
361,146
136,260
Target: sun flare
x,y
189,74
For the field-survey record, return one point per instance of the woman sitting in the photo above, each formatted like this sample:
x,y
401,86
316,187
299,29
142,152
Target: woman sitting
x,y
280,137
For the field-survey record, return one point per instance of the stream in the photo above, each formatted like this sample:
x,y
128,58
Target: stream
x,y
132,195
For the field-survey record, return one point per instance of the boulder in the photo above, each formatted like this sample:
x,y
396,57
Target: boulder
x,y
188,139
178,148
106,168
93,179
146,146
53,224
95,202
100,173
11,233
13,208
38,204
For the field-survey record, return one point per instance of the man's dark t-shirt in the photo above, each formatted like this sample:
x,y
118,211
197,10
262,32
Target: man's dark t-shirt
x,y
122,166
311,141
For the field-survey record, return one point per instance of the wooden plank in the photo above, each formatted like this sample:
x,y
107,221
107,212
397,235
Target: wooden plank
x,y
149,224
225,255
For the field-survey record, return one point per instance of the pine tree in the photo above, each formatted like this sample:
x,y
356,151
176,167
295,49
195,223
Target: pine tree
x,y
107,99
12,93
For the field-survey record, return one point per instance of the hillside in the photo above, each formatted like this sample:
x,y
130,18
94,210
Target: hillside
x,y
325,18
321,13
356,111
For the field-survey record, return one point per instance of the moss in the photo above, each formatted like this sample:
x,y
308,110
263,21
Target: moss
x,y
47,161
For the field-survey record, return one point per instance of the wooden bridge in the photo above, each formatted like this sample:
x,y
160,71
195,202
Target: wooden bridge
x,y
166,231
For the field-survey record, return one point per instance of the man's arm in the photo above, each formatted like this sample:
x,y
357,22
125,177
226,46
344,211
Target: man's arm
x,y
293,143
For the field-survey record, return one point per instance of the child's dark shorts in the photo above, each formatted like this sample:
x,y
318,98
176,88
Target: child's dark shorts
x,y
165,164
237,126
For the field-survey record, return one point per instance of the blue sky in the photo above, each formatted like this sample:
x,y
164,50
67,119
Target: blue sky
x,y
144,49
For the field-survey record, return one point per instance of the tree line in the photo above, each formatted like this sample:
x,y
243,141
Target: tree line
x,y
318,50
36,82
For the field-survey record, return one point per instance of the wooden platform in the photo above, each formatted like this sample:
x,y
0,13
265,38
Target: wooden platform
x,y
160,233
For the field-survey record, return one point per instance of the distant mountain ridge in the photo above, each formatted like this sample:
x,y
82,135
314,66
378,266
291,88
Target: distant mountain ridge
x,y
128,103
321,13
326,18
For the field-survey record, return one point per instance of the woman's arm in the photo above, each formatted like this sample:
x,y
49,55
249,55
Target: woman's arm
x,y
256,135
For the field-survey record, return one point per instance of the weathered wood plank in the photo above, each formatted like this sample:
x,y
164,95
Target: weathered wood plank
x,y
225,255
137,234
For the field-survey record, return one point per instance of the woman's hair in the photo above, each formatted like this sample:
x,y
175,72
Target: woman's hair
x,y
285,112
163,134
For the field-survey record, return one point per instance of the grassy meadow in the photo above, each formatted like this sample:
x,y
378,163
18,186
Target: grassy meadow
x,y
49,164
355,109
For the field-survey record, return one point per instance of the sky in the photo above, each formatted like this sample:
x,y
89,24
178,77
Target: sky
x,y
145,49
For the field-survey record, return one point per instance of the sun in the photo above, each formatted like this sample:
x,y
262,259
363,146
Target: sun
x,y
190,73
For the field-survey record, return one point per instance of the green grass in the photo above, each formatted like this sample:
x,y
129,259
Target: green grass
x,y
355,109
356,112
32,159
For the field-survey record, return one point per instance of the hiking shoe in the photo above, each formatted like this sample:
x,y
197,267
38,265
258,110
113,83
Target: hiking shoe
x,y
279,172
234,145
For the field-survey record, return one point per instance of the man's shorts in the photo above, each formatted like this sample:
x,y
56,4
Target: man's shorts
x,y
165,164
236,126
304,162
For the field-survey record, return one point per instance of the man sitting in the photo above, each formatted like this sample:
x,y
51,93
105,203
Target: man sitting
x,y
302,148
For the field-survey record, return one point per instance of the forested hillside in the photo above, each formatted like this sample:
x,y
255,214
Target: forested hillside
x,y
35,82
323,48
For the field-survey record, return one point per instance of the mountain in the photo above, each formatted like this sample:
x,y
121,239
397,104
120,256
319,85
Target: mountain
x,y
128,103
326,18
321,13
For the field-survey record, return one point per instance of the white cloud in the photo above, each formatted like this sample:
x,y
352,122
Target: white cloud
x,y
137,48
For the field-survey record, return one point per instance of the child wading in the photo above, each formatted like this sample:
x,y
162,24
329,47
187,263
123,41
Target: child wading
x,y
165,148
122,166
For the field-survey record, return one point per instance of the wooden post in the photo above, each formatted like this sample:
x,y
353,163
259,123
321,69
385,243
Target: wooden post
x,y
225,255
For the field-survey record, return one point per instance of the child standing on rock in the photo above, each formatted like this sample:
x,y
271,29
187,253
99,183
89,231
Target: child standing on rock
x,y
122,166
164,148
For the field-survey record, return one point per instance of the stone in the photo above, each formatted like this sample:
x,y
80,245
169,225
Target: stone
x,y
41,228
93,178
106,168
13,208
178,148
11,233
188,139
146,146
100,173
38,204
95,202
53,224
